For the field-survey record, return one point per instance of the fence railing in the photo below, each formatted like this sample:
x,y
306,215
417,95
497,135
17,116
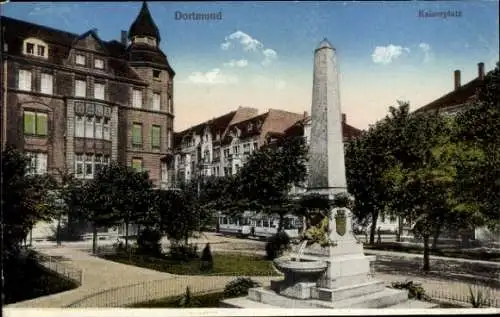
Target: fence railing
x,y
459,292
56,265
157,289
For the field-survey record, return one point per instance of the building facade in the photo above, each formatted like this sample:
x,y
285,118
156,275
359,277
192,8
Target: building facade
x,y
221,146
75,102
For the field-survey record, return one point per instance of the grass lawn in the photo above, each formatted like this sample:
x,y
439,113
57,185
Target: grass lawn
x,y
452,253
239,264
211,300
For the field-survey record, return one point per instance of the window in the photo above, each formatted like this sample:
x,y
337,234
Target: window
x,y
35,123
137,98
236,149
106,130
30,48
156,74
37,164
99,91
98,128
40,50
246,148
80,88
137,134
98,63
79,127
137,164
156,101
89,127
80,59
46,85
155,136
24,82
79,166
255,146
226,152
87,165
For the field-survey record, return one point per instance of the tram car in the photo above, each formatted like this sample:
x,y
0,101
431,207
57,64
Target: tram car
x,y
259,225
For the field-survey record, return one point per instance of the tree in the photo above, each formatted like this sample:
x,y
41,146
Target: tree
x,y
22,200
266,179
479,128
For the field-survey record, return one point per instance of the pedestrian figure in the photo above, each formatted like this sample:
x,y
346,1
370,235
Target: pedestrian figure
x,y
379,238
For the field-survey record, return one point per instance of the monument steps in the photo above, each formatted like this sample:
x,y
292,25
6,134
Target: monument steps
x,y
384,299
349,291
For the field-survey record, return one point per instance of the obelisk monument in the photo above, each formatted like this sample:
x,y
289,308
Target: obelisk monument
x,y
338,275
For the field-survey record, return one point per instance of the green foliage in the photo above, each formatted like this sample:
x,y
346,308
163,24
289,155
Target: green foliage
x,y
183,252
206,260
239,287
415,290
149,242
318,234
264,182
277,244
23,202
478,299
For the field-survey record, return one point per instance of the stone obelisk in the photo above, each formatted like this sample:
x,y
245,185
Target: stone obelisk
x,y
326,155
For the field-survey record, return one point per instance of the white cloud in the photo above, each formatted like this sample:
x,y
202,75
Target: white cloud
x,y
386,54
237,63
269,82
249,44
269,56
225,46
213,77
426,48
58,11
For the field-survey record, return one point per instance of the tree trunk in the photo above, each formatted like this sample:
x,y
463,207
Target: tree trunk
x,y
58,233
373,227
94,239
400,229
126,234
31,236
435,237
426,267
281,222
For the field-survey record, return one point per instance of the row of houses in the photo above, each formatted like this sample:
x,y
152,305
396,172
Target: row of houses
x,y
74,102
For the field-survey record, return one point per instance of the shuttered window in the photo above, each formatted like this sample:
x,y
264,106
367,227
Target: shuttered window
x,y
155,136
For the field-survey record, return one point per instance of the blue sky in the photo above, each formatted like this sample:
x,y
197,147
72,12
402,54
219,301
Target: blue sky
x,y
260,54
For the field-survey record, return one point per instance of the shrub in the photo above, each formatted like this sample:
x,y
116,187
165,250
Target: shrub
x,y
477,299
206,260
187,300
183,252
276,244
239,287
415,290
148,242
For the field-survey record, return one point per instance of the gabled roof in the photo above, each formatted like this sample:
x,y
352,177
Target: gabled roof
x,y
144,24
60,43
454,98
94,34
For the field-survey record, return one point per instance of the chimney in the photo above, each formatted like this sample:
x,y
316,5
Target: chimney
x,y
124,38
306,114
457,79
480,70
344,118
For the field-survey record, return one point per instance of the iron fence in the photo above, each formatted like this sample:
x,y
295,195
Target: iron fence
x,y
459,293
57,265
128,295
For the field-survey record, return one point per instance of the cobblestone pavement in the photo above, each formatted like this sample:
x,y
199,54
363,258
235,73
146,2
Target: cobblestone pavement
x,y
107,283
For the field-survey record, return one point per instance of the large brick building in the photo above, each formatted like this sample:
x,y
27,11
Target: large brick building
x,y
73,101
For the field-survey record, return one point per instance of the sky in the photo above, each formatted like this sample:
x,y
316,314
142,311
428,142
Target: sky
x,y
260,54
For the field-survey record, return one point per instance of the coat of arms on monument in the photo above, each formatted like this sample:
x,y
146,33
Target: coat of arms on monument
x,y
341,222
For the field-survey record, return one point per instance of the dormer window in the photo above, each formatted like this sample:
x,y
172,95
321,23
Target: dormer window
x,y
35,47
145,40
80,60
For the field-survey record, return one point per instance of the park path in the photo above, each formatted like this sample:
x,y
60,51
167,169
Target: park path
x,y
114,282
